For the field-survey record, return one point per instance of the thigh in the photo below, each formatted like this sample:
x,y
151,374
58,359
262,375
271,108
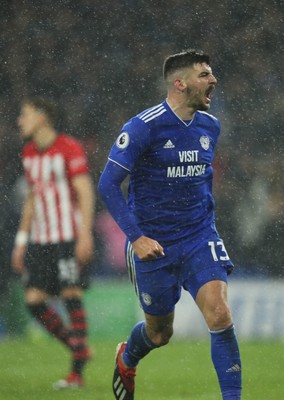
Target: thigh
x,y
211,295
52,268
206,261
213,303
41,269
155,283
68,269
196,281
70,275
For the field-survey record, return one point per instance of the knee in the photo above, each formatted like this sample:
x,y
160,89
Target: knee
x,y
160,338
219,317
35,296
71,293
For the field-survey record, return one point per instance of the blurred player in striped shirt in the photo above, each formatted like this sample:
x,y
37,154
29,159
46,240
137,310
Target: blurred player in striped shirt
x,y
54,243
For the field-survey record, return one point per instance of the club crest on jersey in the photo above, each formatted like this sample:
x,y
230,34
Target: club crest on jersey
x,y
205,142
146,299
123,140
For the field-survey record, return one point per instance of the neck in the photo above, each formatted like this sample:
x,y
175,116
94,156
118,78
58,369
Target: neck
x,y
44,137
180,108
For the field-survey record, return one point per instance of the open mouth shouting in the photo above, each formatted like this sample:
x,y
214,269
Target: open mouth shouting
x,y
208,94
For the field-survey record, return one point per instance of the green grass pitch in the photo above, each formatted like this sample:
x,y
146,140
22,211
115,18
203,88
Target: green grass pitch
x,y
181,370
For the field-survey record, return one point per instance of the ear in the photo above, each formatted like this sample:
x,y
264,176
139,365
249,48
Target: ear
x,y
180,85
43,118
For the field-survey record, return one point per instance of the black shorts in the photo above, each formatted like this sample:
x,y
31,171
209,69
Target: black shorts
x,y
53,267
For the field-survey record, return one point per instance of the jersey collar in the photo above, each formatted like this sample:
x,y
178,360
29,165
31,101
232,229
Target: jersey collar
x,y
166,105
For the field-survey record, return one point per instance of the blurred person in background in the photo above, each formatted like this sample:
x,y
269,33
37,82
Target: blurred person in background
x,y
167,150
54,243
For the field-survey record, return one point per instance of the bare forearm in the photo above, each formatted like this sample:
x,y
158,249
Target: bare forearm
x,y
86,202
27,213
22,236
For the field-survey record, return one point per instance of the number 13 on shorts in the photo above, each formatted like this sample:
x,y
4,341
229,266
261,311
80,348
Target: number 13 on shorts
x,y
218,251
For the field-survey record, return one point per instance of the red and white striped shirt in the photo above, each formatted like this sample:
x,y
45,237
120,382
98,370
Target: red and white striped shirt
x,y
49,174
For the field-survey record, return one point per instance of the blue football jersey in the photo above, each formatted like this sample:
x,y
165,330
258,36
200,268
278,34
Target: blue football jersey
x,y
170,167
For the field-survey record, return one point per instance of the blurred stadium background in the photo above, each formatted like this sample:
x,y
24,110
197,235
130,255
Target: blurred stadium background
x,y
102,62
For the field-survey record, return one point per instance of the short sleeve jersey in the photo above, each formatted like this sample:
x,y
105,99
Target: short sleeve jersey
x,y
49,174
170,167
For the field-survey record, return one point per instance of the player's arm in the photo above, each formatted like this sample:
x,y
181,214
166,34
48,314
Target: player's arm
x,y
83,187
22,235
110,190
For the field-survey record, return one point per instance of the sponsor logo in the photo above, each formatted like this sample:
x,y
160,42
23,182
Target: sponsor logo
x,y
182,171
234,368
123,140
205,142
119,389
169,145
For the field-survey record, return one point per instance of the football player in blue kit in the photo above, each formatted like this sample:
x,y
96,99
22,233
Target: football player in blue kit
x,y
168,218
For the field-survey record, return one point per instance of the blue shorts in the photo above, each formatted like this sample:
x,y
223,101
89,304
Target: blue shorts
x,y
187,264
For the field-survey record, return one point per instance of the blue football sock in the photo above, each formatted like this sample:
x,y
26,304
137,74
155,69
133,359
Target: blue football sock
x,y
138,345
226,359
